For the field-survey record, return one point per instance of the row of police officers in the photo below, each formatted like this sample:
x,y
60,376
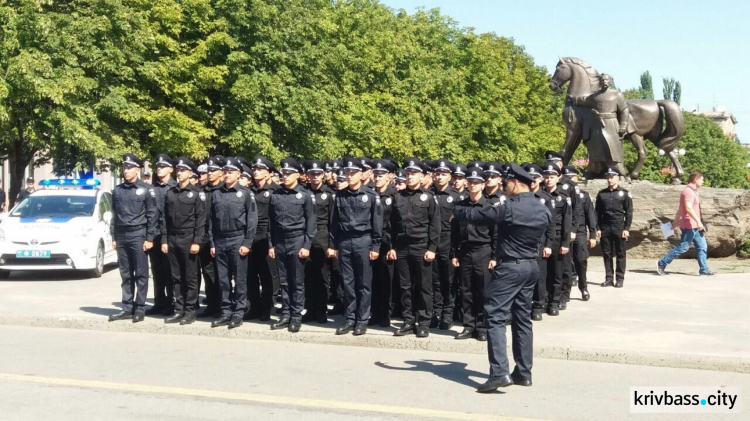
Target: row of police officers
x,y
432,242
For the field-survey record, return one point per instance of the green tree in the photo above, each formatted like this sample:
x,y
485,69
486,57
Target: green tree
x,y
668,89
677,94
647,89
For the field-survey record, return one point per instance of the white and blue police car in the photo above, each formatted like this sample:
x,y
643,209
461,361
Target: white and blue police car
x,y
65,225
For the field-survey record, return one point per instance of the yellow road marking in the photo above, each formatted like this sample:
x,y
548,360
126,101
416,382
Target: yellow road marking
x,y
258,398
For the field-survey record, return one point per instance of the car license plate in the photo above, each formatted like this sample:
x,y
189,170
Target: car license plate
x,y
33,254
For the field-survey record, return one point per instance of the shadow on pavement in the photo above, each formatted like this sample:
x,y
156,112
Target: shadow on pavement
x,y
448,370
101,311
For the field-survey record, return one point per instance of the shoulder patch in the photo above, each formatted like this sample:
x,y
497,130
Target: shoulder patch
x,y
496,204
266,193
423,197
565,187
580,195
377,200
630,195
152,192
239,194
570,202
364,198
202,196
621,193
450,199
543,201
190,195
502,200
388,201
323,196
140,191
578,189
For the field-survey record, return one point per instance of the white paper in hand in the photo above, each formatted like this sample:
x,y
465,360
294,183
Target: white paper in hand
x,y
666,230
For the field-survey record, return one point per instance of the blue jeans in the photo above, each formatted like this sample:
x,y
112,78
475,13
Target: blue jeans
x,y
690,236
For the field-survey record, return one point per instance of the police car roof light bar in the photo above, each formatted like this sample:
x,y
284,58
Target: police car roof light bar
x,y
70,182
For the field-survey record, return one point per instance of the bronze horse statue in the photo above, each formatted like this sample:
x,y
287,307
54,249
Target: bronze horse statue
x,y
649,116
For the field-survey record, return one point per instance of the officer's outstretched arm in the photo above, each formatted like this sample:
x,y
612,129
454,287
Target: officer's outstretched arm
x,y
485,216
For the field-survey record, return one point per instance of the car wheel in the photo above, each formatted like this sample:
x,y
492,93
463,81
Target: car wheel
x,y
97,271
4,274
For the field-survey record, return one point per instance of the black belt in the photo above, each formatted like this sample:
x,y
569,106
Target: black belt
x,y
229,234
509,260
180,231
130,228
287,234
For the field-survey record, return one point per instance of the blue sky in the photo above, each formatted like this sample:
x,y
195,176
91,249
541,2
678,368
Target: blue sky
x,y
702,44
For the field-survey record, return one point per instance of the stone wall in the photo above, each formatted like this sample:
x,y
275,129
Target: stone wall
x,y
726,211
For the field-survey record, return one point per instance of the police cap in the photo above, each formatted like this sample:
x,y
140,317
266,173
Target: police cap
x,y
186,164
132,160
518,173
290,165
163,160
553,156
314,165
232,163
443,165
215,163
550,168
413,164
611,171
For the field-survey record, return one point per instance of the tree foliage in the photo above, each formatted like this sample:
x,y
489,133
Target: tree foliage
x,y
647,88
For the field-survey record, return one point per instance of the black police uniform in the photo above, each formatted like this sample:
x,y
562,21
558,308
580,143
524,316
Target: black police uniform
x,y
317,279
562,222
525,224
207,262
356,230
134,221
232,225
571,190
292,227
614,210
540,298
443,270
262,273
183,225
382,268
580,248
475,247
161,269
416,229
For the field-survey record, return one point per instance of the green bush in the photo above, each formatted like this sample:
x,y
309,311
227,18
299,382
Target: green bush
x,y
743,251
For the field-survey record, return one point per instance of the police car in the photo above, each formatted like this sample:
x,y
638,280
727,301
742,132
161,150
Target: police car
x,y
63,226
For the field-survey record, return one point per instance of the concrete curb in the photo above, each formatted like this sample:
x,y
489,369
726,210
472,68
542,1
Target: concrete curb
x,y
379,338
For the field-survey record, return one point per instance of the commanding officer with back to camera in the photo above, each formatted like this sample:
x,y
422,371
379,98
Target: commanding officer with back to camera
x,y
182,231
231,231
160,268
525,223
356,229
443,270
133,229
416,232
317,279
292,230
614,210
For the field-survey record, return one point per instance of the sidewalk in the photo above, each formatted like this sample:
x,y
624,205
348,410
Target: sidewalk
x,y
680,320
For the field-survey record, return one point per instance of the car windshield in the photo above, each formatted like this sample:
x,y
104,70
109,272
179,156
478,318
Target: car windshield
x,y
54,207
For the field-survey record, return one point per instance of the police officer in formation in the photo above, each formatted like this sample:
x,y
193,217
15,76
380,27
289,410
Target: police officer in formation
x,y
231,230
317,279
262,273
525,225
475,251
614,210
133,228
356,231
443,269
380,246
214,181
182,233
160,266
416,223
585,237
292,229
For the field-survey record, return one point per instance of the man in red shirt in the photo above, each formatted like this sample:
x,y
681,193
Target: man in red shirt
x,y
689,220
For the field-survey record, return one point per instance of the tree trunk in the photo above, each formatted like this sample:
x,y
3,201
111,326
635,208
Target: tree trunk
x,y
18,159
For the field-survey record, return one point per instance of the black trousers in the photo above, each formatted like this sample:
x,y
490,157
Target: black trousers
x,y
184,273
580,251
161,270
508,295
231,266
475,273
442,281
262,275
540,295
567,275
555,267
382,285
133,264
335,292
415,275
356,273
210,285
291,275
613,245
317,279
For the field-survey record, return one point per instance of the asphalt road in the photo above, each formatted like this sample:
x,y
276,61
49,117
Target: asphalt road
x,y
73,374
